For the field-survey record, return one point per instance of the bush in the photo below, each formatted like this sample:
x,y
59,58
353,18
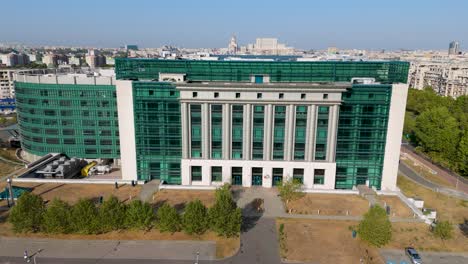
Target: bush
x,y
443,230
225,218
112,214
168,219
375,228
290,190
27,214
57,218
85,218
139,215
194,220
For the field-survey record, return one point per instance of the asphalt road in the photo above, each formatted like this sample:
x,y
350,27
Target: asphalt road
x,y
399,257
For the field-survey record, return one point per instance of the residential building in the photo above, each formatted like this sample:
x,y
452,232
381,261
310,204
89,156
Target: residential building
x,y
329,125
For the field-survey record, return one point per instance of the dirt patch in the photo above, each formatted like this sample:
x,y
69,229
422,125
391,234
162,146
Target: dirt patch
x,y
329,204
448,208
71,193
419,236
179,198
225,247
325,241
397,207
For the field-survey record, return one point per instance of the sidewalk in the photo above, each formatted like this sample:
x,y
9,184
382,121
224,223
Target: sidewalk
x,y
108,249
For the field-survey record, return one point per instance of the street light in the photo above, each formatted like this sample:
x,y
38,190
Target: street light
x,y
198,254
11,192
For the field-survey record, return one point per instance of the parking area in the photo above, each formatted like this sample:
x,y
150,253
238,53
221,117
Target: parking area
x,y
399,257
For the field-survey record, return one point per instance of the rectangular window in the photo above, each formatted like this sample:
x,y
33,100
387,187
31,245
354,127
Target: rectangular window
x,y
194,94
298,175
196,137
259,95
319,176
196,172
300,132
236,175
216,131
216,174
322,133
258,131
281,96
237,131
278,132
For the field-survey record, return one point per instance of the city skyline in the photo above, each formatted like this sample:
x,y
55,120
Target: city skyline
x,y
359,25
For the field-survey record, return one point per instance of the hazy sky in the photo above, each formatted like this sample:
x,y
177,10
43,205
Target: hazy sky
x,y
308,24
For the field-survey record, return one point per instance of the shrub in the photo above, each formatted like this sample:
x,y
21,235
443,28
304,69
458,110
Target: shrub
x,y
168,219
57,217
27,214
375,228
443,230
139,215
85,218
112,214
194,220
225,218
290,190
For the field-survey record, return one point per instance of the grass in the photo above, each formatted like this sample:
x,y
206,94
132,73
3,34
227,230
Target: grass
x,y
448,208
423,171
329,204
179,198
397,207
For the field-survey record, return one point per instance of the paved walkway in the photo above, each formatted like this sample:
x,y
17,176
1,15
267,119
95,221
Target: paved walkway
x,y
148,189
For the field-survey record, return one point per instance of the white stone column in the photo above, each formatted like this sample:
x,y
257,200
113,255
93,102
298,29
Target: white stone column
x,y
332,132
311,132
206,139
185,130
289,133
247,133
227,131
268,131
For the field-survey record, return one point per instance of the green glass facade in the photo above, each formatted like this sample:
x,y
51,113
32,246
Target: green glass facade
x,y
237,131
74,119
362,131
216,131
241,71
157,131
258,131
278,132
195,131
300,132
321,133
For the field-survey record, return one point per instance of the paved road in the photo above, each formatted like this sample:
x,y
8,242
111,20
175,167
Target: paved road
x,y
408,172
398,256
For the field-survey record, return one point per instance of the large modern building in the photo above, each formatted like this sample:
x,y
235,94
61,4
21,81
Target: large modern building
x,y
330,125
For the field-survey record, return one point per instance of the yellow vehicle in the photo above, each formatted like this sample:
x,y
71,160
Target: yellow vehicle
x,y
85,170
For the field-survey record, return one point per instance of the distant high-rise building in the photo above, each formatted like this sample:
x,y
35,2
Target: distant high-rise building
x,y
454,48
268,46
232,47
131,47
13,59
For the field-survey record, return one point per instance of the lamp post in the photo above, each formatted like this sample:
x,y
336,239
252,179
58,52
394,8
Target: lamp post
x,y
11,192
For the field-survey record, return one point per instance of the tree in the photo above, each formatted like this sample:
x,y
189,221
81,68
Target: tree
x,y
438,132
168,219
57,218
27,214
225,217
139,215
463,154
85,218
112,214
375,228
443,230
194,219
290,190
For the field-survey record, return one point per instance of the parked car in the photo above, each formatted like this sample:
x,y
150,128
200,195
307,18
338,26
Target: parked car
x,y
413,255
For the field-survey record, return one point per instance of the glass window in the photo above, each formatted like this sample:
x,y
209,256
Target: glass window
x,y
216,173
196,173
319,176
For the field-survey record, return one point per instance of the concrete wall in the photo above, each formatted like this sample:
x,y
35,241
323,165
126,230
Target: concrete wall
x,y
394,134
126,129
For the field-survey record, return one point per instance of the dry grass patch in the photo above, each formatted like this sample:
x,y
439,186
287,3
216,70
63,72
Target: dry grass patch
x,y
225,247
397,207
423,171
71,193
324,241
420,237
448,208
179,198
329,204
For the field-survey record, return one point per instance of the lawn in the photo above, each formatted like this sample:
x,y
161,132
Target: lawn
x,y
329,204
179,198
448,208
397,207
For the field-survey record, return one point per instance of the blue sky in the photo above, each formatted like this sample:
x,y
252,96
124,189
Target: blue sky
x,y
366,24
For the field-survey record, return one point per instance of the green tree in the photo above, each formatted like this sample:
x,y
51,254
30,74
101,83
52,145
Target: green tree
x,y
443,230
194,219
168,219
57,217
85,217
375,228
112,214
438,132
290,190
225,217
27,214
139,215
463,154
